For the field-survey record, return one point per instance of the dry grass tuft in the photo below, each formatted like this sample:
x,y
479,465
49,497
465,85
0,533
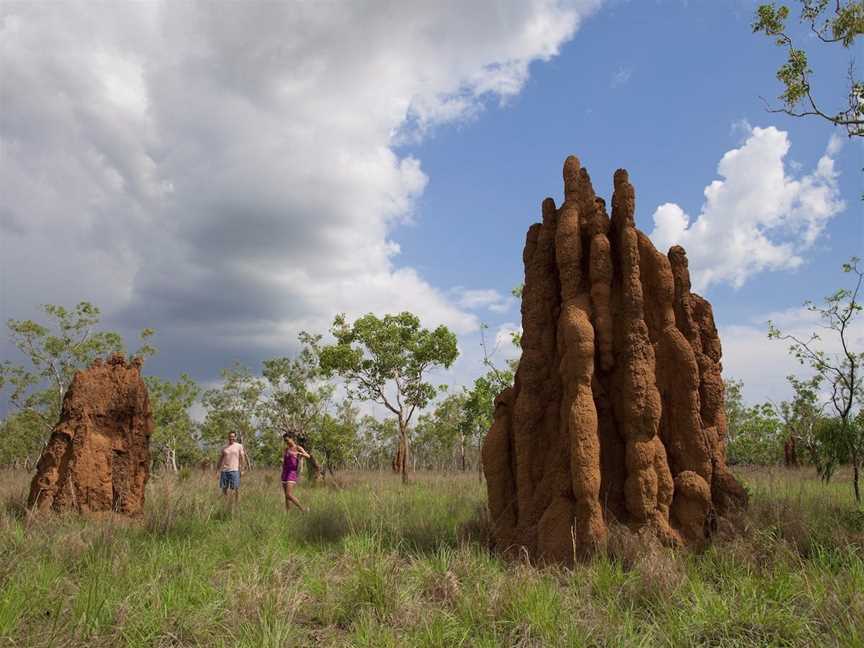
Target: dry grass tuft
x,y
442,588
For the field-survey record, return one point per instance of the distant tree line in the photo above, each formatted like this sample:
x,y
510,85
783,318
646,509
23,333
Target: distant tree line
x,y
794,432
294,394
387,360
823,423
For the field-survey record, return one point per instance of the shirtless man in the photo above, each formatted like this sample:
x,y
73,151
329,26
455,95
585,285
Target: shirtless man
x,y
228,469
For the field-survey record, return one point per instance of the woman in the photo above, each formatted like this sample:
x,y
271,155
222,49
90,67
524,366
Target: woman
x,y
290,466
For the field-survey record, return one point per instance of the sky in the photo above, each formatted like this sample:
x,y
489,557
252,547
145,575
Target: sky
x,y
231,174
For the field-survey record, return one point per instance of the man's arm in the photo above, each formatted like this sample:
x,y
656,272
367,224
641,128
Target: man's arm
x,y
244,460
219,463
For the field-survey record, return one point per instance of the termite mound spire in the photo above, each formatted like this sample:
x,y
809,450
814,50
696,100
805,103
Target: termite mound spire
x,y
616,411
98,457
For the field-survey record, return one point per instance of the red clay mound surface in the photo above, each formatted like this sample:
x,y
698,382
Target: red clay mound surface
x,y
98,457
616,413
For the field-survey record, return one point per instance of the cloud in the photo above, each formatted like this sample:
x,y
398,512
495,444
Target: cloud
x,y
762,364
228,174
478,299
834,144
504,340
621,77
758,217
470,363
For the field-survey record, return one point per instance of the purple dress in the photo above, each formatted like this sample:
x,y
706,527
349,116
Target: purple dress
x,y
290,462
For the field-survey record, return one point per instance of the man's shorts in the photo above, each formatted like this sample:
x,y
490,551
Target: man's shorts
x,y
229,479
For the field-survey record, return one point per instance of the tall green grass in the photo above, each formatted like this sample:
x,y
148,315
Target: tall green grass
x,y
376,563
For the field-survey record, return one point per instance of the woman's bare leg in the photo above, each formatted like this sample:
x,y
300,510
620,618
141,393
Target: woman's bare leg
x,y
287,500
289,495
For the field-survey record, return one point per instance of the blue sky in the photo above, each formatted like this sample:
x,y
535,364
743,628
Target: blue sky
x,y
233,174
663,89
694,71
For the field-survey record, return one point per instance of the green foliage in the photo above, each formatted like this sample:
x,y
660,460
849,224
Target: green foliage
x,y
295,398
756,438
479,405
754,435
438,437
175,433
802,414
55,351
374,352
842,23
837,443
232,407
461,421
385,360
841,371
375,441
22,435
734,406
291,397
336,436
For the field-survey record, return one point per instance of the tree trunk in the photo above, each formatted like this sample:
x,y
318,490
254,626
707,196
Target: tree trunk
x,y
479,458
814,455
402,455
317,473
396,464
855,463
169,458
790,453
404,466
462,450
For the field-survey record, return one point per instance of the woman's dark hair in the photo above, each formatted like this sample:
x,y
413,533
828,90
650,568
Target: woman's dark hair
x,y
286,436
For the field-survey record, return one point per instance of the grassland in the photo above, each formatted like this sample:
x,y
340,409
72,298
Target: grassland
x,y
378,564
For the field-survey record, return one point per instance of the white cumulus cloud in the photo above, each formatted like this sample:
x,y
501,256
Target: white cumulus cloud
x,y
762,364
478,299
229,173
757,217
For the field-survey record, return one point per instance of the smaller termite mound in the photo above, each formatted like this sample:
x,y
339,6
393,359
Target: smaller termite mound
x,y
616,412
98,457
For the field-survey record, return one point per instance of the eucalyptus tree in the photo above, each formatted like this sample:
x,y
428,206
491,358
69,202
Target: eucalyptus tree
x,y
386,360
174,432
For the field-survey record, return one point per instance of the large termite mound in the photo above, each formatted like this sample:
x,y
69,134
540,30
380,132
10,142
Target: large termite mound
x,y
616,413
98,456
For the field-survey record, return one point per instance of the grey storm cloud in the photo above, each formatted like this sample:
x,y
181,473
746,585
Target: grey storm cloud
x,y
226,173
